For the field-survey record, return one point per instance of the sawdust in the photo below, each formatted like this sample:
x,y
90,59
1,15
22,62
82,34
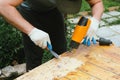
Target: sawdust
x,y
62,67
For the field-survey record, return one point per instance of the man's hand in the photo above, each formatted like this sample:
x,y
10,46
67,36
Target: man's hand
x,y
39,37
91,33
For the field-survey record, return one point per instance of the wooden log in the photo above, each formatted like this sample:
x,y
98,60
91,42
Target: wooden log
x,y
85,63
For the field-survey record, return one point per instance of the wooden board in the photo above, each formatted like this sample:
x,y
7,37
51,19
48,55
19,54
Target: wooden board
x,y
85,63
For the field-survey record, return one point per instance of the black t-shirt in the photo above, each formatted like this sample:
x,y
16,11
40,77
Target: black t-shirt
x,y
65,6
39,5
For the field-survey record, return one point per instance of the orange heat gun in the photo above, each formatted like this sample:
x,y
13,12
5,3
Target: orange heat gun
x,y
80,31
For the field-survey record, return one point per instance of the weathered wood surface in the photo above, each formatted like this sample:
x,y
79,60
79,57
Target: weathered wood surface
x,y
85,63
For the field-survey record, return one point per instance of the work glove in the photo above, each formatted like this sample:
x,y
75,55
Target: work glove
x,y
91,33
39,37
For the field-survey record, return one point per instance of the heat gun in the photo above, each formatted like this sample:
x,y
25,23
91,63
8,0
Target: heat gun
x,y
80,31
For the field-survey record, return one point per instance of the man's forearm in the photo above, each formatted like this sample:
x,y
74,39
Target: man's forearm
x,y
97,10
11,14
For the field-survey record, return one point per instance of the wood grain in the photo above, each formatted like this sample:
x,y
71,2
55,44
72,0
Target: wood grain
x,y
85,63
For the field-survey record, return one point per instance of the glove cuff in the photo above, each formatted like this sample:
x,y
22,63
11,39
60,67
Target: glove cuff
x,y
95,20
34,30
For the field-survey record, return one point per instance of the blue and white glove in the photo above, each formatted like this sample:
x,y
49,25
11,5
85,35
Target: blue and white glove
x,y
39,37
91,33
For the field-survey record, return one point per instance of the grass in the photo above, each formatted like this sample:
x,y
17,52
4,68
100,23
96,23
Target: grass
x,y
110,3
85,6
106,3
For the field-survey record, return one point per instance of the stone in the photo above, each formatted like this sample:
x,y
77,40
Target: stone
x,y
85,13
116,28
115,39
8,70
105,16
74,20
0,72
110,20
113,8
105,32
114,13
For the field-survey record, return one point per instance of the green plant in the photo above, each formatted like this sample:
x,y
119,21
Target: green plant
x,y
85,6
10,42
46,56
110,3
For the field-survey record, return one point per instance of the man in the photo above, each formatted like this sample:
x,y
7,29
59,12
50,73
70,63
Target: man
x,y
42,21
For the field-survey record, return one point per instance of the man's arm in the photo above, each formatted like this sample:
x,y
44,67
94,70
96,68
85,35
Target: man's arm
x,y
9,12
97,11
97,8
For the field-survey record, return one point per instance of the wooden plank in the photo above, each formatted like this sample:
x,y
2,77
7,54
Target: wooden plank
x,y
97,72
106,60
78,75
85,63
